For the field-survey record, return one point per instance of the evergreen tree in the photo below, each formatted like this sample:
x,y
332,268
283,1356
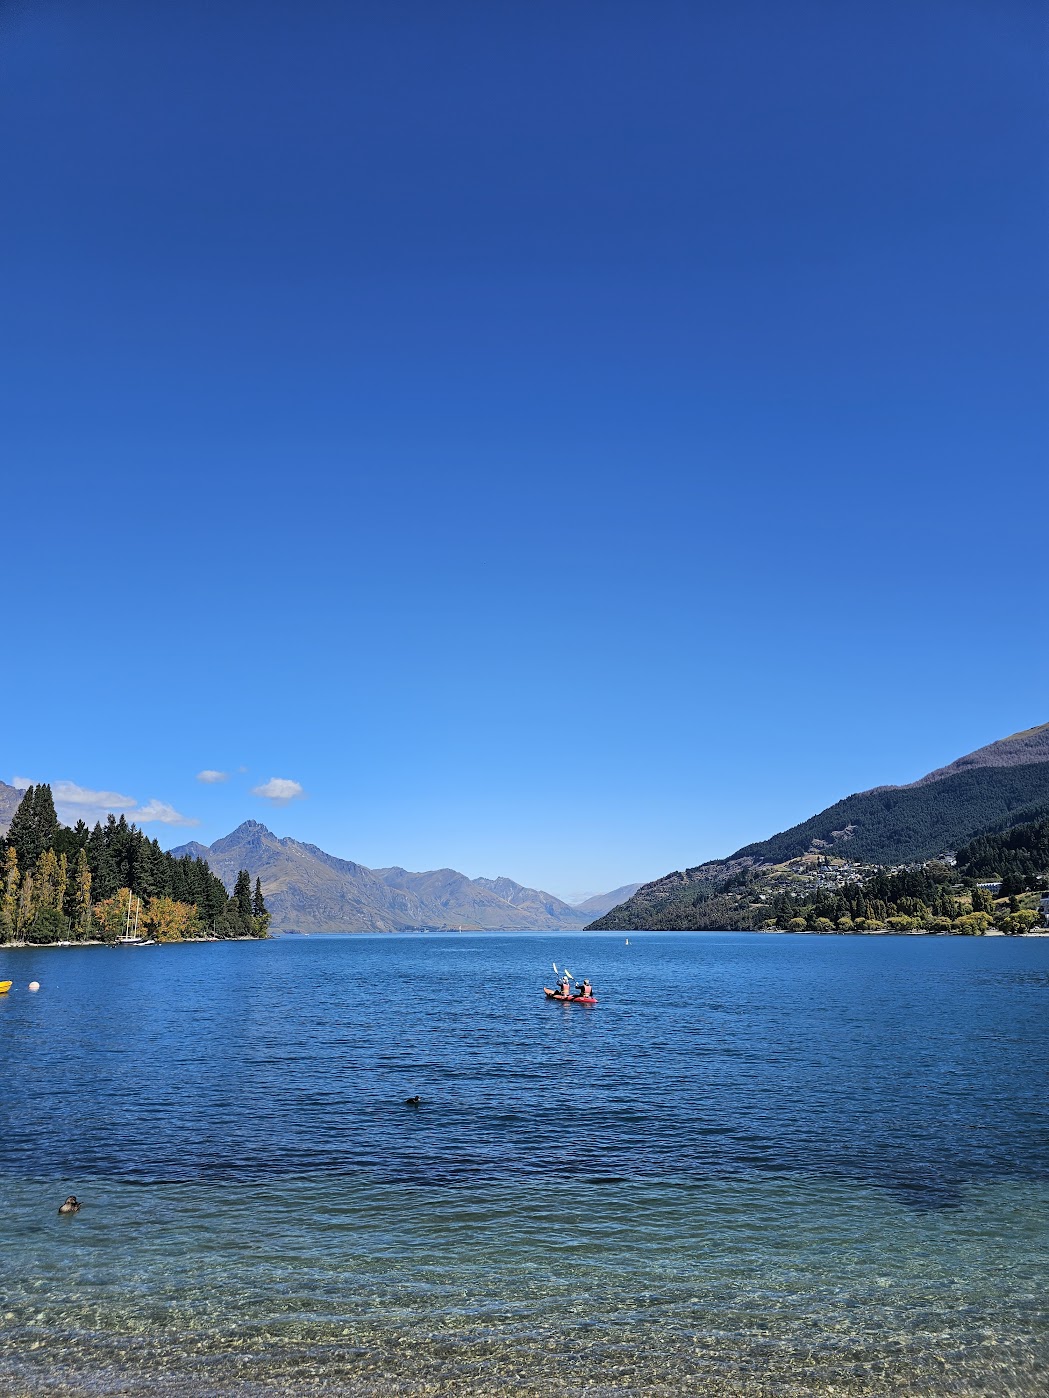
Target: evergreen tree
x,y
260,919
105,881
242,900
34,826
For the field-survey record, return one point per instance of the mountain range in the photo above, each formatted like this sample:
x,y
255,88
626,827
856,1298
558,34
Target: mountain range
x,y
1002,785
10,796
599,903
308,890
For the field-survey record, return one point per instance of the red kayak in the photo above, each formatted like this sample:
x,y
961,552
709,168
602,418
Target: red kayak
x,y
570,999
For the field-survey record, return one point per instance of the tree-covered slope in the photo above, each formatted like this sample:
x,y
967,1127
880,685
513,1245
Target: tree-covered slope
x,y
1022,852
902,824
1002,785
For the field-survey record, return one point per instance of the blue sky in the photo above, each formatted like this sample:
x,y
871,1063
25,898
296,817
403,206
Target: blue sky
x,y
565,440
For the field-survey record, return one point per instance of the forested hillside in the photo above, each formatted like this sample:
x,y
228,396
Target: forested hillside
x,y
1019,857
990,809
74,884
902,824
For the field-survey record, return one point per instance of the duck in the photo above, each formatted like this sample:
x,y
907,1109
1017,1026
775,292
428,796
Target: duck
x,y
71,1206
412,1101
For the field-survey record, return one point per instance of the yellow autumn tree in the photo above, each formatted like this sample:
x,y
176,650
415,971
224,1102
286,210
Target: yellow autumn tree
x,y
9,881
49,889
110,915
167,920
80,898
26,909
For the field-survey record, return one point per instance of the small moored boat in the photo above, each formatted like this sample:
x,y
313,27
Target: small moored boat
x,y
5,986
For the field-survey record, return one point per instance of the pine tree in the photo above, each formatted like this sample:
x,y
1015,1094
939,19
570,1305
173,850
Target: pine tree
x,y
34,826
242,900
80,897
260,918
105,880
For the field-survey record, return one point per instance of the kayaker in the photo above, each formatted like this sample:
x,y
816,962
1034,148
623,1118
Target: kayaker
x,y
585,991
563,986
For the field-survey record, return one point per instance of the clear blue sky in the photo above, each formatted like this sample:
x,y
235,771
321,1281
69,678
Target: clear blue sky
x,y
568,440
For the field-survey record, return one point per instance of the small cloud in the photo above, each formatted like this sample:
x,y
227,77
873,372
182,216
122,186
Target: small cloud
x,y
208,775
83,798
21,783
162,813
279,790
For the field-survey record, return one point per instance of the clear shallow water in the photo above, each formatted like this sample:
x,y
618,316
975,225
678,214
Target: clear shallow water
x,y
762,1165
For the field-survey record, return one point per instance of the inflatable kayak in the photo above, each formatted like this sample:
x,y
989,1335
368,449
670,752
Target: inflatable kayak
x,y
570,999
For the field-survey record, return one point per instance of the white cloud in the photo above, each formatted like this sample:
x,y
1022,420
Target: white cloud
x,y
74,802
209,775
161,812
83,798
21,783
280,790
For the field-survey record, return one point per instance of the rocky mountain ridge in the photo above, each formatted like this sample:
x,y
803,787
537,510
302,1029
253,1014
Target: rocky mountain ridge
x,y
309,890
10,796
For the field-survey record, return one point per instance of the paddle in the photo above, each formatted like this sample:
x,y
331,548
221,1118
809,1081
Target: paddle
x,y
558,973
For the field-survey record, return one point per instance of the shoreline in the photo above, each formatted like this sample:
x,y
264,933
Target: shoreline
x,y
494,931
97,942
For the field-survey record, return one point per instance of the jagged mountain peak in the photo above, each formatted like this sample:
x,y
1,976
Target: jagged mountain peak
x,y
309,890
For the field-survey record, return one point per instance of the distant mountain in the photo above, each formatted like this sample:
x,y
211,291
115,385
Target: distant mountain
x,y
10,797
308,890
604,902
993,789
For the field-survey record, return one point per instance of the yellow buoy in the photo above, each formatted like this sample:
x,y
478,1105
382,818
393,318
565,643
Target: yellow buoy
x,y
5,986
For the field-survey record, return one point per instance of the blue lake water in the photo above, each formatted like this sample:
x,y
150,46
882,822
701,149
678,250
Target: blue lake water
x,y
760,1165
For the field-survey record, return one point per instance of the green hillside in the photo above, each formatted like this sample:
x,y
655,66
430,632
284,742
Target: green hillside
x,y
903,824
972,807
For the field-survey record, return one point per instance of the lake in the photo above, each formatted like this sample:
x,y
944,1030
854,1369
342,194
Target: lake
x,y
765,1165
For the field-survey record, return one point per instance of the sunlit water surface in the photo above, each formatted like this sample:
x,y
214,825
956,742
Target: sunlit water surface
x,y
761,1165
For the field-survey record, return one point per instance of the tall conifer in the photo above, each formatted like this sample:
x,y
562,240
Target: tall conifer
x,y
34,825
80,900
242,899
260,919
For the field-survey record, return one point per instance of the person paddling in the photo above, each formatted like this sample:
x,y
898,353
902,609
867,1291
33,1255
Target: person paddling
x,y
563,986
585,991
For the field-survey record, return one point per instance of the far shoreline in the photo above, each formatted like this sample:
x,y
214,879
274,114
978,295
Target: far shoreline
x,y
528,932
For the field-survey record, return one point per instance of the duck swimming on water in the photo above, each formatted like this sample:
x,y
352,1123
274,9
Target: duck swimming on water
x,y
412,1101
71,1206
